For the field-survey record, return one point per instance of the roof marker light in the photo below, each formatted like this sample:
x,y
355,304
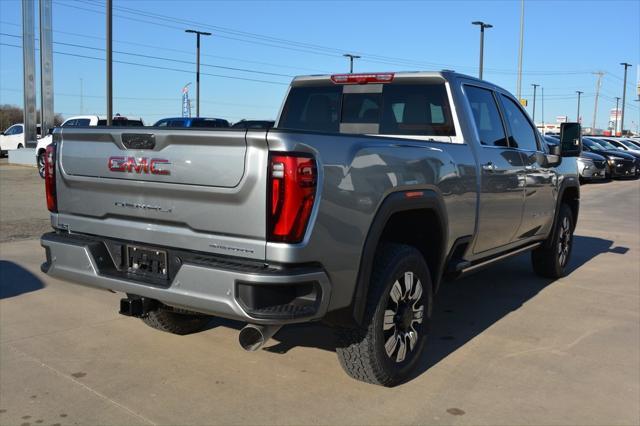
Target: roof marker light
x,y
386,77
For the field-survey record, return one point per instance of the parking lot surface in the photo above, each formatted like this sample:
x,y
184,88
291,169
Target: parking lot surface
x,y
507,347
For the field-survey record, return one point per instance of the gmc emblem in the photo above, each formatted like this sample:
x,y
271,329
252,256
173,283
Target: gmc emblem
x,y
152,166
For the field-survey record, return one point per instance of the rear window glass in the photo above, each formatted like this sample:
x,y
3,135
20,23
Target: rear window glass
x,y
361,107
209,123
120,123
313,108
416,109
401,109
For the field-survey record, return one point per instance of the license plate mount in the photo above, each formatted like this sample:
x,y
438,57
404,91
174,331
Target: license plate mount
x,y
147,262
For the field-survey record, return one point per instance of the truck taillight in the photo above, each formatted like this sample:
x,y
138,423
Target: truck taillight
x,y
50,178
292,184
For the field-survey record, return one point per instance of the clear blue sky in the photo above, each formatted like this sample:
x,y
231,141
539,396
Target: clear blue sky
x,y
565,41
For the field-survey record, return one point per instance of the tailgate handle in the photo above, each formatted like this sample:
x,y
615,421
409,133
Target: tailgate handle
x,y
139,140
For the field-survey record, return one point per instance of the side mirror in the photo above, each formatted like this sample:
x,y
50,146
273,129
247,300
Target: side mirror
x,y
570,139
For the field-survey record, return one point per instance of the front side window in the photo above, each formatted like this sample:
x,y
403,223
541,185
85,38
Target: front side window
x,y
486,116
523,135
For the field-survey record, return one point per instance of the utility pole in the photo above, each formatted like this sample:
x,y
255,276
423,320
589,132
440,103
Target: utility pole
x,y
46,67
81,97
519,87
624,95
351,58
615,128
535,86
595,107
198,34
542,90
482,27
578,113
109,63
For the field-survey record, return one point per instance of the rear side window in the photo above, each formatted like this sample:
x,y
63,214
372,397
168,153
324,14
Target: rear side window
x,y
81,122
416,109
523,135
313,108
486,116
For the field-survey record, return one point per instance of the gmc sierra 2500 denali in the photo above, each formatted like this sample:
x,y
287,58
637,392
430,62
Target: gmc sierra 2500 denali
x,y
370,190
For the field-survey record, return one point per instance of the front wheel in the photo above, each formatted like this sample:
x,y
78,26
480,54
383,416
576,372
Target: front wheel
x,y
20,146
551,258
387,348
41,163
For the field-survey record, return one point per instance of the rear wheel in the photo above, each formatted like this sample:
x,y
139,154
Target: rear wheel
x,y
20,146
550,259
174,321
387,348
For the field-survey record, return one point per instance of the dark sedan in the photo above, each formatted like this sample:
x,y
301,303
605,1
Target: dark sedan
x,y
612,144
620,163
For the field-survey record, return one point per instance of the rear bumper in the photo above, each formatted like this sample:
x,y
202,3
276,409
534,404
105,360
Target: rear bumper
x,y
279,295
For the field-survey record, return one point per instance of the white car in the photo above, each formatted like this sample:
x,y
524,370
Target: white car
x,y
12,138
82,121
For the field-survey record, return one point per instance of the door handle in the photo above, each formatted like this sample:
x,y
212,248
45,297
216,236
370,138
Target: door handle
x,y
489,167
530,168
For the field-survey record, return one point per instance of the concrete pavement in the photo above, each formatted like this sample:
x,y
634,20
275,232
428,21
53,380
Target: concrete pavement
x,y
507,348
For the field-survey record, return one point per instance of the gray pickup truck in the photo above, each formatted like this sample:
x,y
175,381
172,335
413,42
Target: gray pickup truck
x,y
369,192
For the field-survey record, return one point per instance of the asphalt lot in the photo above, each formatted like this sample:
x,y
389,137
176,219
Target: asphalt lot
x,y
507,347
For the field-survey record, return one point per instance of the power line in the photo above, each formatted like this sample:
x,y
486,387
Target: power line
x,y
289,44
158,67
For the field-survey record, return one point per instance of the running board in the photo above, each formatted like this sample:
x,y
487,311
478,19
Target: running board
x,y
466,267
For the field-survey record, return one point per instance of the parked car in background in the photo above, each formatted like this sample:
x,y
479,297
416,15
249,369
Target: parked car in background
x,y
253,124
82,121
13,138
623,144
591,166
620,164
200,122
611,143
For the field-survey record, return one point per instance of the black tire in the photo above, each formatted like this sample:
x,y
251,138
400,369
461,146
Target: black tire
x,y
552,257
361,350
175,322
20,146
40,163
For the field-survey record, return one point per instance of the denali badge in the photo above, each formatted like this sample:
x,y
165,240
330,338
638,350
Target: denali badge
x,y
128,205
155,166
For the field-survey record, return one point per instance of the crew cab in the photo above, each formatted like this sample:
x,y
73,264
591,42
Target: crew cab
x,y
370,192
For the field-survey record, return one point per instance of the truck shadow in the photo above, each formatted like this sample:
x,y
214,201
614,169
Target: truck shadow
x,y
466,307
16,280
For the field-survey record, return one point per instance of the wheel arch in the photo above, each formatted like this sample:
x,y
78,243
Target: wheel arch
x,y
404,217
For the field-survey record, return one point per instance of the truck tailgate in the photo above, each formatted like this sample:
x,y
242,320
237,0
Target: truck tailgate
x,y
203,190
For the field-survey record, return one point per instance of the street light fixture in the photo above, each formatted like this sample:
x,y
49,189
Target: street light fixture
x,y
482,27
624,95
198,34
351,58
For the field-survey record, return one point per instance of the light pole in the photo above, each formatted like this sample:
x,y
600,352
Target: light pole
x,y
578,113
109,63
535,86
351,58
624,95
482,27
198,34
519,86
615,128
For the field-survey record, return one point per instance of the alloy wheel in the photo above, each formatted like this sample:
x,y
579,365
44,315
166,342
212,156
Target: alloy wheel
x,y
402,317
564,242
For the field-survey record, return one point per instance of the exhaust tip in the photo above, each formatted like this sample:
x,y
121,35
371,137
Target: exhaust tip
x,y
253,337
